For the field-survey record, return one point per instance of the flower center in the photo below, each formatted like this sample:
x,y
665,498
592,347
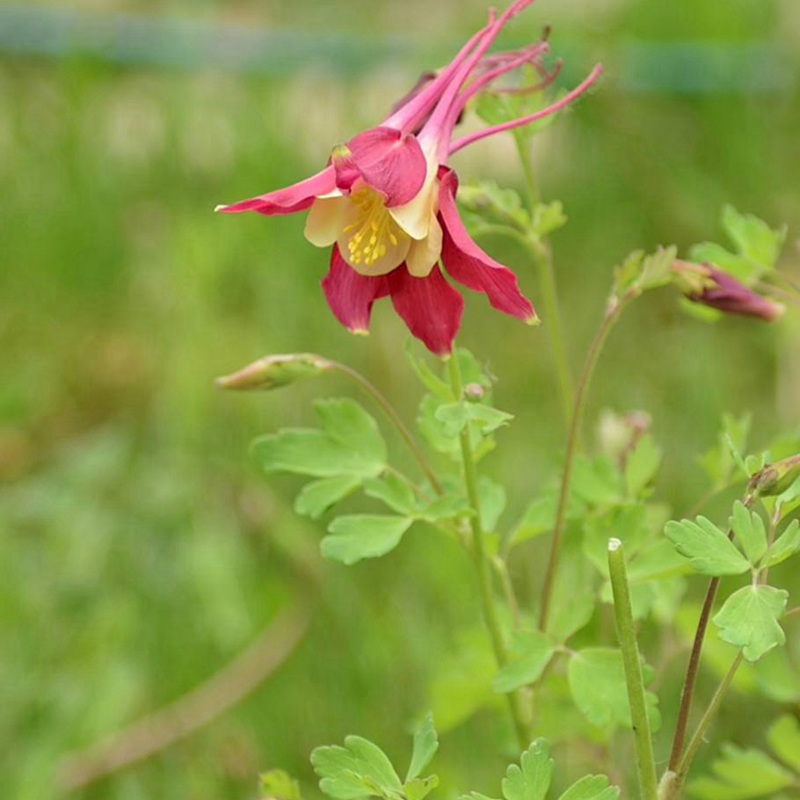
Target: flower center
x,y
373,238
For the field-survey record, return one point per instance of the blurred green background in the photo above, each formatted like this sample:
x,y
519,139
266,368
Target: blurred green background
x,y
140,550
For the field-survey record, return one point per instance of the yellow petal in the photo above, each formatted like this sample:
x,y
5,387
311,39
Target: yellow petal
x,y
414,217
423,255
325,220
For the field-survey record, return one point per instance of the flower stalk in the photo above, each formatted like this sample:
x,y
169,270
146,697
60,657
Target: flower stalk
x,y
482,566
613,311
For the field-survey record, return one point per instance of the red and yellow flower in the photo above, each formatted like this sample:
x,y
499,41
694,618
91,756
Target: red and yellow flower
x,y
386,203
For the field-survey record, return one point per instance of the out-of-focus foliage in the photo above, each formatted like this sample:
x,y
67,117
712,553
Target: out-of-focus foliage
x,y
140,549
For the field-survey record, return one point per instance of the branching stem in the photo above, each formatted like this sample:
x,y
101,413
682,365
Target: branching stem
x,y
480,558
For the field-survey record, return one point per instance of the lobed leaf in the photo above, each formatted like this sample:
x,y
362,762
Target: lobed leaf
x,y
749,619
426,743
358,536
591,787
530,652
315,498
785,546
750,532
531,779
359,769
708,549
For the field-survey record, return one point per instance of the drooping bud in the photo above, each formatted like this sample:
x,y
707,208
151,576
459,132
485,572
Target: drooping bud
x,y
272,372
711,286
775,478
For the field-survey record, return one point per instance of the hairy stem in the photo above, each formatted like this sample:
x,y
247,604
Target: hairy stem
x,y
488,603
613,312
543,257
626,633
395,419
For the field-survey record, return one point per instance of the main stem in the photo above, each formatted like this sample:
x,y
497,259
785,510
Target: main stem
x,y
626,633
479,556
543,256
613,312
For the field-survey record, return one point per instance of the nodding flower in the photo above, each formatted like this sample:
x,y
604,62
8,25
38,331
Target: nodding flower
x,y
711,286
385,202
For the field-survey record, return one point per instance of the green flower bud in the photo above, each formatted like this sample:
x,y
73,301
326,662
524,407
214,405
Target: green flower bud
x,y
775,478
272,372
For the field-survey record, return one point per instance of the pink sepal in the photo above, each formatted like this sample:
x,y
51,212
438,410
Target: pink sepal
x,y
430,307
290,199
387,161
469,265
351,295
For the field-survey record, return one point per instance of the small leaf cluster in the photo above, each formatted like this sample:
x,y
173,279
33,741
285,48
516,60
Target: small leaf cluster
x,y
360,769
749,617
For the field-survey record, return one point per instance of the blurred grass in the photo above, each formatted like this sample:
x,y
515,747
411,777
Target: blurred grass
x,y
139,549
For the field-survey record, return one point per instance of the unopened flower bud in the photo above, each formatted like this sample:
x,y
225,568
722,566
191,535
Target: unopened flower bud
x,y
474,392
273,372
775,478
711,286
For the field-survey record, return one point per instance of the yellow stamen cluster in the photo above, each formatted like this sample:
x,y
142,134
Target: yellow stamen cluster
x,y
371,230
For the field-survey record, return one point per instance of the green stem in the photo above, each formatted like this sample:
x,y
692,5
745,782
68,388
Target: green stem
x,y
543,257
479,555
626,633
678,778
395,419
693,667
613,312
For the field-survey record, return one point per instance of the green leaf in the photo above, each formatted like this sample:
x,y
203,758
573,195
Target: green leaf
x,y
530,652
639,273
749,619
742,774
315,498
456,416
350,444
494,204
707,547
278,785
360,536
785,546
754,239
626,523
750,532
547,218
392,490
531,779
448,506
596,482
711,253
359,769
597,682
642,465
784,739
426,743
591,787
346,422
540,516
420,787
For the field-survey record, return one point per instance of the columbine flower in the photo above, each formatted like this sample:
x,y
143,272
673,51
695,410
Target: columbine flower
x,y
386,202
710,286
